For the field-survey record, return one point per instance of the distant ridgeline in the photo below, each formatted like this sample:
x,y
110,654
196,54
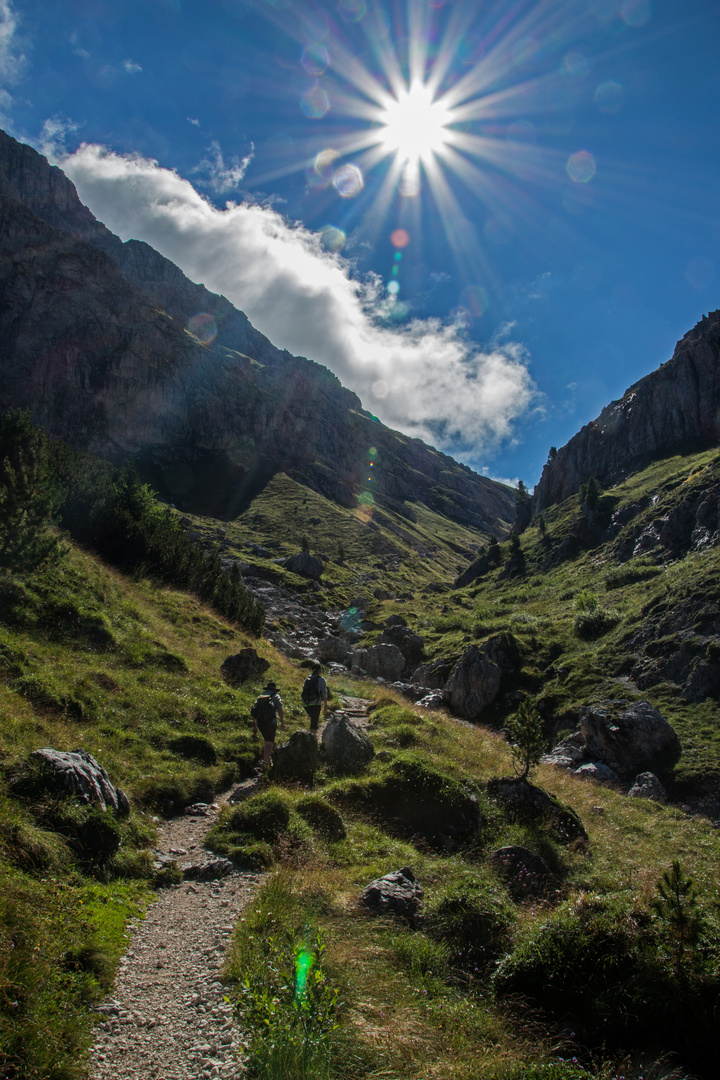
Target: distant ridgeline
x,y
116,352
672,410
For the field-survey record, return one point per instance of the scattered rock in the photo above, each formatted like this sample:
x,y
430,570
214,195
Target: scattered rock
x,y
347,747
79,774
243,666
297,759
526,873
524,800
208,870
432,701
397,893
647,786
596,770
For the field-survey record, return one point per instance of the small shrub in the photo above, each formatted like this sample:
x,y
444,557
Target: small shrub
x,y
263,816
194,747
593,624
322,817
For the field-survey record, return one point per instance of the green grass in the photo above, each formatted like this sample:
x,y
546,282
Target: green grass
x,y
131,672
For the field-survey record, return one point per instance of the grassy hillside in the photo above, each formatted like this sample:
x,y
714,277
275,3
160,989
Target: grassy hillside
x,y
597,976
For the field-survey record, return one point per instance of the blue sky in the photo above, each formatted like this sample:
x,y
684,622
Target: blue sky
x,y
488,218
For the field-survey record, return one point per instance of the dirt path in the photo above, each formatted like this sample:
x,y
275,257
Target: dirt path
x,y
168,1018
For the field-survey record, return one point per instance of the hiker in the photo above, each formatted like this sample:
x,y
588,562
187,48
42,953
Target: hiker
x,y
315,697
265,713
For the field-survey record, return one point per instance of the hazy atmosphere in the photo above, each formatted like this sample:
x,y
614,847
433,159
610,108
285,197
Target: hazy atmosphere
x,y
487,219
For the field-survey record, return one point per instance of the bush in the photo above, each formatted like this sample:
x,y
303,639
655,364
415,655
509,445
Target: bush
x,y
474,920
194,747
599,963
591,625
322,817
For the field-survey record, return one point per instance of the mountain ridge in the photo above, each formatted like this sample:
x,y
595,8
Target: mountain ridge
x,y
672,409
97,341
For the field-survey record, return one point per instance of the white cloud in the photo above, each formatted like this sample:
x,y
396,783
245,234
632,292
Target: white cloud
x,y
131,67
52,137
424,378
219,176
12,59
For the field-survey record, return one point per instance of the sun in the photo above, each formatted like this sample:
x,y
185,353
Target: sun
x,y
414,126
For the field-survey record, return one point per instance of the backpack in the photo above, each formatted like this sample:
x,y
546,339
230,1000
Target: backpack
x,y
311,691
263,711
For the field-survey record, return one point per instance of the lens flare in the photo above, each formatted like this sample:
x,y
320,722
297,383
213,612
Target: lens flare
x,y
325,163
315,103
315,59
399,238
332,238
304,963
349,181
203,327
610,97
581,167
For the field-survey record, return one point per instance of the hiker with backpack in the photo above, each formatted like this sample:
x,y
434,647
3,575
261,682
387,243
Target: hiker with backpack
x,y
266,712
315,697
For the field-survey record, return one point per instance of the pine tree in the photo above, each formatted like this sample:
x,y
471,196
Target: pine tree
x,y
30,495
526,737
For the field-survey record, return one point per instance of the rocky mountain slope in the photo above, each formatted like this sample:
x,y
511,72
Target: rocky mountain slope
x,y
96,338
673,409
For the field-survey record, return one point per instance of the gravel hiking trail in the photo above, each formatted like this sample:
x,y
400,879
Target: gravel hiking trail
x,y
167,1017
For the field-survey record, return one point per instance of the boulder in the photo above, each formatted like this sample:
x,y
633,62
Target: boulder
x,y
410,644
347,747
304,564
626,735
333,650
397,893
526,873
243,666
379,662
647,786
78,774
434,675
704,681
297,759
409,690
474,683
527,802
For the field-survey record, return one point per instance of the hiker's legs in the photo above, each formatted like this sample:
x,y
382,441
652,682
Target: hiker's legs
x,y
313,712
267,752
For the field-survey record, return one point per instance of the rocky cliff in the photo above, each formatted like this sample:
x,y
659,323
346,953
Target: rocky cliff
x,y
674,409
116,351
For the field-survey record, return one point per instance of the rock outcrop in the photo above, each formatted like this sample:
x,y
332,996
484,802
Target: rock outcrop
x,y
673,409
96,338
79,775
476,679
